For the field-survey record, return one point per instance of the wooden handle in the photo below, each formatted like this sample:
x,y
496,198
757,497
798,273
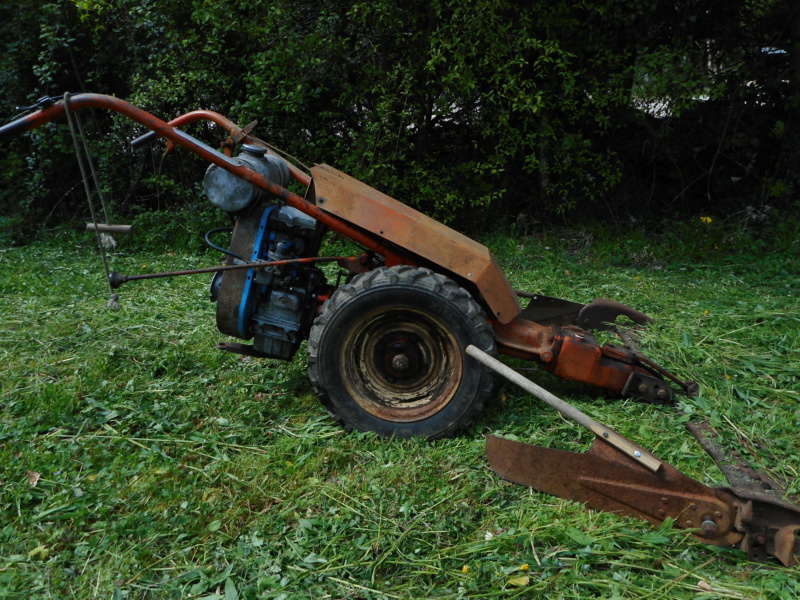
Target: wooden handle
x,y
103,228
606,434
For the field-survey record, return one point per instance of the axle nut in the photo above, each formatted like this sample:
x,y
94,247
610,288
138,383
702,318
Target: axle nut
x,y
400,362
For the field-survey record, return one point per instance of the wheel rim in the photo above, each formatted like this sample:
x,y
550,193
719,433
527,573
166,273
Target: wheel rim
x,y
401,364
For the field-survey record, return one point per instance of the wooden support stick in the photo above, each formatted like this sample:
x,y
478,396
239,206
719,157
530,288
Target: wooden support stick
x,y
607,434
103,228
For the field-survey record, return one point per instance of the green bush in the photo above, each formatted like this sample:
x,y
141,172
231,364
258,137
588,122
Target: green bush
x,y
541,112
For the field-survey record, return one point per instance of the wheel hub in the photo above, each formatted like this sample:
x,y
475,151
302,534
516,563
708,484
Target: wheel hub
x,y
400,363
401,357
403,365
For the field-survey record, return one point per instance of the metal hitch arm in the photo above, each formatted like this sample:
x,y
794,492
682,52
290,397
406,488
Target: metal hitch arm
x,y
616,475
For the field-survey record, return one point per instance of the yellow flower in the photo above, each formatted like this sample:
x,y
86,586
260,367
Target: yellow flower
x,y
524,567
465,569
706,219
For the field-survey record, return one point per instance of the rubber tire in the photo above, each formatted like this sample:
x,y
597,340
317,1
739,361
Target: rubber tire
x,y
362,316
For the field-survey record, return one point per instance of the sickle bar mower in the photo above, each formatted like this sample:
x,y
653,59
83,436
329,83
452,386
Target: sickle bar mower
x,y
387,348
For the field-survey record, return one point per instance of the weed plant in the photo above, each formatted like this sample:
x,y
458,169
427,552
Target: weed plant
x,y
139,462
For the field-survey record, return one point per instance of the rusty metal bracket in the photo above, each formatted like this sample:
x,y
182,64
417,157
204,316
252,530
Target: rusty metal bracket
x,y
237,135
601,314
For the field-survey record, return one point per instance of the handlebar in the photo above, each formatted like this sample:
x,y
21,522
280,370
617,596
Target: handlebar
x,y
144,140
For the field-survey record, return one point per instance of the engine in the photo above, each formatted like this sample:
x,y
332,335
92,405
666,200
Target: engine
x,y
273,306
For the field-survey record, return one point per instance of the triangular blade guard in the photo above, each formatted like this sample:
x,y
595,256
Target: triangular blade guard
x,y
607,479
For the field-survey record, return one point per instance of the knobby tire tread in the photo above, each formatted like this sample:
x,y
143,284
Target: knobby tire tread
x,y
428,281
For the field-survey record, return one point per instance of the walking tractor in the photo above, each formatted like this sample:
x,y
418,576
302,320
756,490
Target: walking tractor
x,y
406,345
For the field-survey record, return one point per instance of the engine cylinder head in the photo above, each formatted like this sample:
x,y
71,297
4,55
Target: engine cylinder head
x,y
230,193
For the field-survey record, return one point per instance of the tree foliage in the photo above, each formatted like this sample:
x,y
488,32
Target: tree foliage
x,y
530,110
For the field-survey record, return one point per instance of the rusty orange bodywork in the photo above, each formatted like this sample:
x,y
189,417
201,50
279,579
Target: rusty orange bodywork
x,y
401,225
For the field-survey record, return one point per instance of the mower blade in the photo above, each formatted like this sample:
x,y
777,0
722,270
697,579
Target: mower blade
x,y
606,479
740,475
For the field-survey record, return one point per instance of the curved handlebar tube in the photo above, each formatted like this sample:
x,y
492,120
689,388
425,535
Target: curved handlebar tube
x,y
227,125
177,137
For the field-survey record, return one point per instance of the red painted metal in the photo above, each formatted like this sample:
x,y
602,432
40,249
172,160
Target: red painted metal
x,y
580,358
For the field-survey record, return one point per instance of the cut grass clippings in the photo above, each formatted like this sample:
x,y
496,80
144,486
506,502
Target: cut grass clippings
x,y
137,461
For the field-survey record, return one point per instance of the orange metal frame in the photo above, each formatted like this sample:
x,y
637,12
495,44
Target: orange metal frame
x,y
391,229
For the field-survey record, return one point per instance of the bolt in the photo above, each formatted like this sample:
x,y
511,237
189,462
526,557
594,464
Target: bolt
x,y
400,362
547,357
642,388
761,539
693,506
661,394
664,501
690,523
661,512
637,454
709,528
718,514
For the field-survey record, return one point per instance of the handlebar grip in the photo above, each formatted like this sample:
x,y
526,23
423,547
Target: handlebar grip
x,y
147,138
13,129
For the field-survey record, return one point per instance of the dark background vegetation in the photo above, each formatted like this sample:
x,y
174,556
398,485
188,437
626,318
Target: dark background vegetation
x,y
524,113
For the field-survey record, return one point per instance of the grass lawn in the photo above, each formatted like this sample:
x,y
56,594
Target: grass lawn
x,y
137,461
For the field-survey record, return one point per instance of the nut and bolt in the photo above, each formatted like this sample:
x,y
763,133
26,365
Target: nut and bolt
x,y
709,528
